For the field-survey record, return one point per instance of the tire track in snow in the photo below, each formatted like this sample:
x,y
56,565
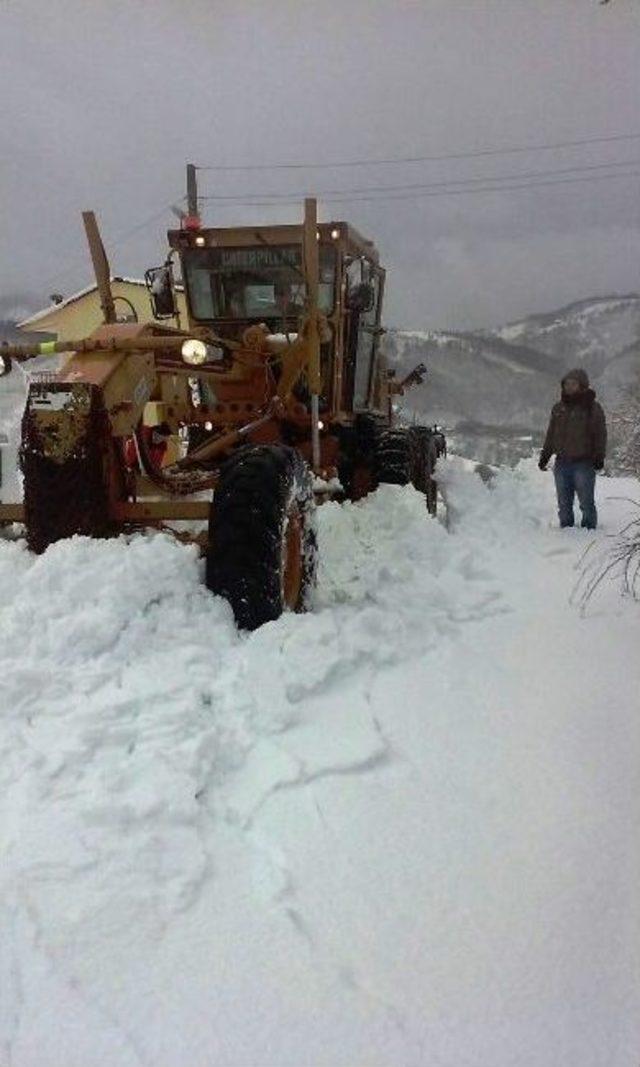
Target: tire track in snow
x,y
401,618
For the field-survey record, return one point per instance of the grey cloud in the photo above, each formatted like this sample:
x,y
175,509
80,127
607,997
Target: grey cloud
x,y
104,103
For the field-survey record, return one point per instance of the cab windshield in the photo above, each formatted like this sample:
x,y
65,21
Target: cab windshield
x,y
254,283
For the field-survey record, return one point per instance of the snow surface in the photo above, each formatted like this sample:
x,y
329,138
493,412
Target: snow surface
x,y
510,364
512,332
401,830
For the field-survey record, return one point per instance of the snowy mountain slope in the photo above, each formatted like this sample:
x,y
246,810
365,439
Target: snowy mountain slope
x,y
621,373
494,389
473,382
590,332
399,830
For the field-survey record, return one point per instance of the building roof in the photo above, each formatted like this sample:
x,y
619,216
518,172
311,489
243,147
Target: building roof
x,y
52,308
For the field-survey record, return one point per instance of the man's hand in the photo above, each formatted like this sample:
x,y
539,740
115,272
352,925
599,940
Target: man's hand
x,y
542,462
598,463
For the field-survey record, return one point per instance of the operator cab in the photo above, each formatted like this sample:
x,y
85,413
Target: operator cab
x,y
240,276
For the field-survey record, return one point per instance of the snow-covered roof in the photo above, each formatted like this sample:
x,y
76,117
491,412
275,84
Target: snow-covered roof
x,y
44,312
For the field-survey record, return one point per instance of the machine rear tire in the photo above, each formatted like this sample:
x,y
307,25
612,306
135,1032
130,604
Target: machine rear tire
x,y
262,554
424,454
356,464
431,494
393,458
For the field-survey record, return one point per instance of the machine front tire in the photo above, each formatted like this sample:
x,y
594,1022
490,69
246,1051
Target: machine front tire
x,y
262,554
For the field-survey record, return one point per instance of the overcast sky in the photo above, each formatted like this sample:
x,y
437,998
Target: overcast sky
x,y
103,103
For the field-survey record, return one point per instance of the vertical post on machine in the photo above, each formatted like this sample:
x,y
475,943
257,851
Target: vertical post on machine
x,y
100,265
312,279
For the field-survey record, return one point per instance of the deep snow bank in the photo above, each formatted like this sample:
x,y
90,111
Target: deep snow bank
x,y
393,831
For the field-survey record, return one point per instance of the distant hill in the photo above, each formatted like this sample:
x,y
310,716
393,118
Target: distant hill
x,y
493,389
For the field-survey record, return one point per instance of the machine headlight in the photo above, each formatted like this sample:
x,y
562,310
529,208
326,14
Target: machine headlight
x,y
194,352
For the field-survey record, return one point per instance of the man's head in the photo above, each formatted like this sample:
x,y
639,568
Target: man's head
x,y
575,381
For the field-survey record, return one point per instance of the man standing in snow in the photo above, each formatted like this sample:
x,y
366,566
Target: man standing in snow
x,y
577,434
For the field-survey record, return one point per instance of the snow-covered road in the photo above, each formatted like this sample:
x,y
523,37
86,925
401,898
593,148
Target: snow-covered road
x,y
401,830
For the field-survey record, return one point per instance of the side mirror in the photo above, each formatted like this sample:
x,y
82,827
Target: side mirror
x,y
361,297
159,281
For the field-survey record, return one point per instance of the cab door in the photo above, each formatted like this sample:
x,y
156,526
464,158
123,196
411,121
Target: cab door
x,y
368,335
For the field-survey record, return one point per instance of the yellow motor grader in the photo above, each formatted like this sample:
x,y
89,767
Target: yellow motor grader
x,y
275,388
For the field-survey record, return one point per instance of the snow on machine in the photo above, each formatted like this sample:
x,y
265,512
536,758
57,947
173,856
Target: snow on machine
x,y
276,390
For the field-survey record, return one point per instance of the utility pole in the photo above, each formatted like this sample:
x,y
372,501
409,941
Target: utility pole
x,y
192,191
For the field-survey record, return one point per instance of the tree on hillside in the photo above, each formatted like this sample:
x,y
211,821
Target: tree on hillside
x,y
625,430
619,556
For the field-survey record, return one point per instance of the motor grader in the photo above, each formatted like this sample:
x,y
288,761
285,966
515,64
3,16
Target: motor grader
x,y
275,387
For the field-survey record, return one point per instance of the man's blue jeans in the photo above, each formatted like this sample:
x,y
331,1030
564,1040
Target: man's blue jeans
x,y
573,477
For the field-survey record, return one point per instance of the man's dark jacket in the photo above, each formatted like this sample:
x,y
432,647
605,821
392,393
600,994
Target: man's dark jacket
x,y
577,428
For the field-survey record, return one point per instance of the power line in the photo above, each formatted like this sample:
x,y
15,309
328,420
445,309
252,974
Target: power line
x,y
494,188
122,238
443,192
476,154
117,239
245,197
395,193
